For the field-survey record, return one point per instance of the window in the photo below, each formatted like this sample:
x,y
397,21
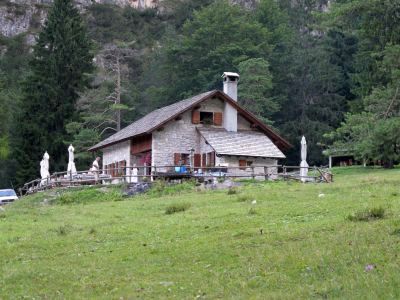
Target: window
x,y
181,159
244,163
206,118
211,159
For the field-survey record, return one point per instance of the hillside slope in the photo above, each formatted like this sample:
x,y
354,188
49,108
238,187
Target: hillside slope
x,y
295,242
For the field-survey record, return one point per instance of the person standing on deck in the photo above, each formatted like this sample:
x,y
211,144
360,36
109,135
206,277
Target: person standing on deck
x,y
95,169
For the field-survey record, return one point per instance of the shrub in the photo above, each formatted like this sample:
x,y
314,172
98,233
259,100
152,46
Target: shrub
x,y
62,230
396,231
177,207
252,211
232,191
368,214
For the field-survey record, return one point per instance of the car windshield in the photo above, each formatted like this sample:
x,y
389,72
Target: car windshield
x,y
6,193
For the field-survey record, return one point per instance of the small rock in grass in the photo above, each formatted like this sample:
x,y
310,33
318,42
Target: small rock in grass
x,y
254,202
321,195
166,283
369,268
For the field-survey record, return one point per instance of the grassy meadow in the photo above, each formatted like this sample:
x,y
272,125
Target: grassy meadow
x,y
339,240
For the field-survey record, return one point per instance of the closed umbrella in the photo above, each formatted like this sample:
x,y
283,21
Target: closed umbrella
x,y
303,164
71,164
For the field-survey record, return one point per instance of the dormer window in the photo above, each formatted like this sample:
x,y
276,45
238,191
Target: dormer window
x,y
206,118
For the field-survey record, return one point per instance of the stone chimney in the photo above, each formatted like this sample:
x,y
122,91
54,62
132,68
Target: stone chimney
x,y
230,88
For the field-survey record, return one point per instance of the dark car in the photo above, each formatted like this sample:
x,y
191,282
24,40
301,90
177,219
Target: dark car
x,y
7,196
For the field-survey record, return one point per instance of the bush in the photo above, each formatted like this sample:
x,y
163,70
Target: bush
x,y
368,215
62,230
252,211
177,207
232,191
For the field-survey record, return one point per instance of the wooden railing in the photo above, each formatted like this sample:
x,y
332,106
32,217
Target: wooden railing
x,y
149,173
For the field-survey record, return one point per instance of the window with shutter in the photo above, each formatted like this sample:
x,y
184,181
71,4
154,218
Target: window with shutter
x,y
122,165
218,118
242,164
195,117
112,170
197,160
212,159
177,158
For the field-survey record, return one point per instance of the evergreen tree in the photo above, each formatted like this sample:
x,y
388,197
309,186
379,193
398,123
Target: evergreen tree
x,y
374,134
255,88
62,59
217,39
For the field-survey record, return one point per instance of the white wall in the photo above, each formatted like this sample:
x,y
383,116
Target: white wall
x,y
258,163
117,153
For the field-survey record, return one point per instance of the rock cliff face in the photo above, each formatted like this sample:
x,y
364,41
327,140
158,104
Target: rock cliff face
x,y
26,16
20,16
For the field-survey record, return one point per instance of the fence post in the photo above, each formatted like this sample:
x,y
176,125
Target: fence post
x,y
252,172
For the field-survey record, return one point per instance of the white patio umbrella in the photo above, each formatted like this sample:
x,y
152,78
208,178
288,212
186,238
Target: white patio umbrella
x,y
71,170
44,168
303,164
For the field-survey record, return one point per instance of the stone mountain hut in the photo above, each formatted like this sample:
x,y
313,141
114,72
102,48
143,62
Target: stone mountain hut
x,y
205,131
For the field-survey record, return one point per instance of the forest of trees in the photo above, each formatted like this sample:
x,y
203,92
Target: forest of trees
x,y
332,75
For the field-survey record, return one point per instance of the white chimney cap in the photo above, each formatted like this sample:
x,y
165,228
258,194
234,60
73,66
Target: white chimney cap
x,y
226,74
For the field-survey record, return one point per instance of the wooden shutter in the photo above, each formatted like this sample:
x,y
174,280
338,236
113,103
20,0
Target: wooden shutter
x,y
204,160
197,160
212,159
195,117
122,165
218,118
177,158
242,164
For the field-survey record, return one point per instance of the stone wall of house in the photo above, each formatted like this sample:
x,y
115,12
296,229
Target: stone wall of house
x,y
181,136
176,137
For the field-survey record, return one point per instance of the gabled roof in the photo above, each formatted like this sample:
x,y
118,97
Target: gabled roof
x,y
241,143
159,117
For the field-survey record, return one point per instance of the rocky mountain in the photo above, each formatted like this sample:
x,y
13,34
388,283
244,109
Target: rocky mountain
x,y
26,16
21,16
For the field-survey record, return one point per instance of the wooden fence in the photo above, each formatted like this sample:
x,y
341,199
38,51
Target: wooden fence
x,y
174,173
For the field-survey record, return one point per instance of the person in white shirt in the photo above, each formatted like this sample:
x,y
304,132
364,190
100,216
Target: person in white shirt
x,y
96,169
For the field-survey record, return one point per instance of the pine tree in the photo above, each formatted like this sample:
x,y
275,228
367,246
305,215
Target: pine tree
x,y
62,60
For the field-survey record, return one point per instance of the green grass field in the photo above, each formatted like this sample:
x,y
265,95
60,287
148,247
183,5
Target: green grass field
x,y
292,244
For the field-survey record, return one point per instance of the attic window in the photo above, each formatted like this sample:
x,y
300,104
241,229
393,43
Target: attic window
x,y
206,117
